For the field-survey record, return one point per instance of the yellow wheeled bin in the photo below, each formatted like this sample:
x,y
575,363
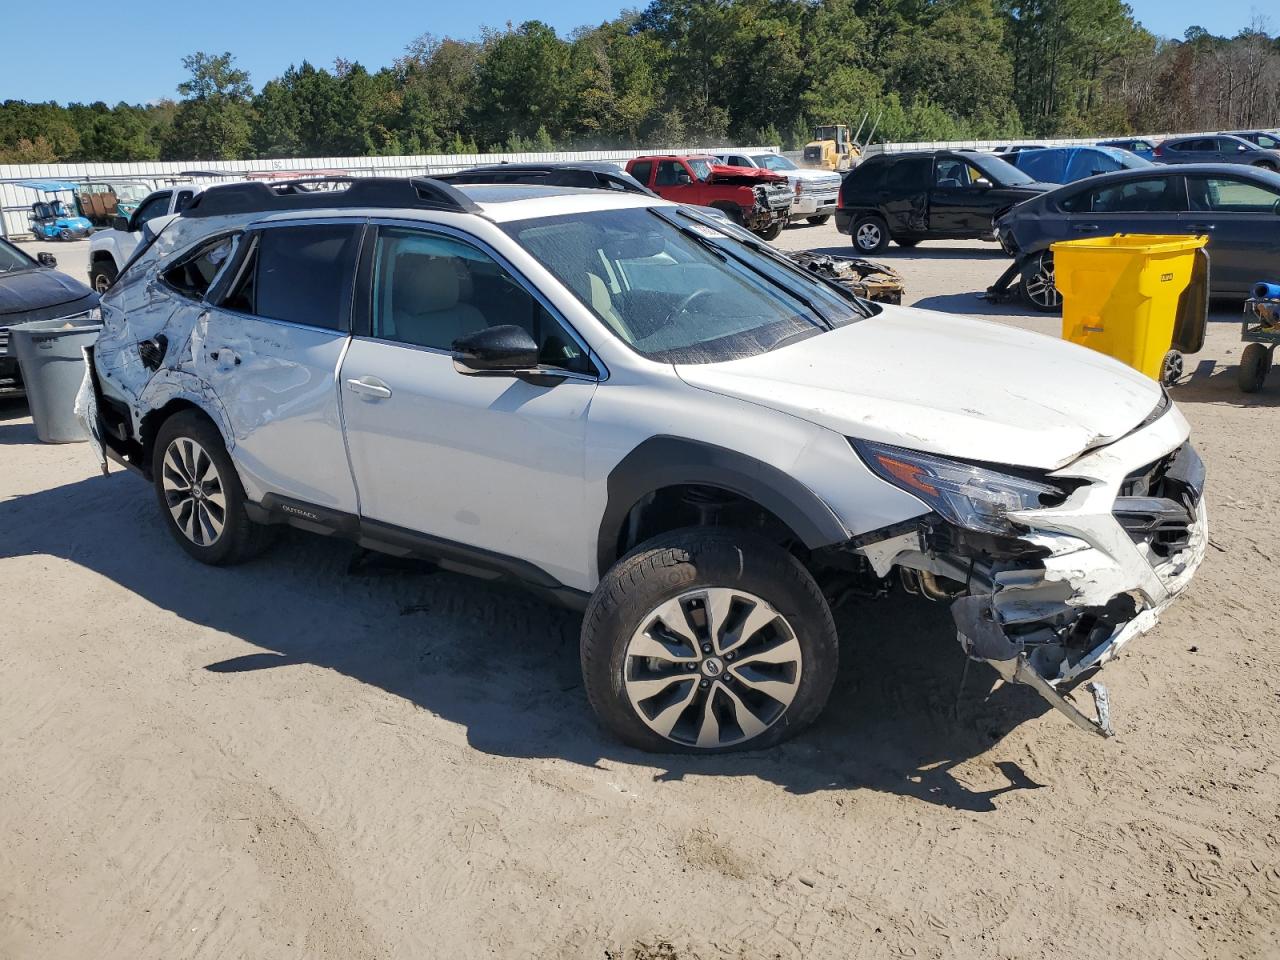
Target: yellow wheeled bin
x,y
1142,299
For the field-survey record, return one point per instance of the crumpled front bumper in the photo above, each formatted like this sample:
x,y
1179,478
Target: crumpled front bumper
x,y
1112,557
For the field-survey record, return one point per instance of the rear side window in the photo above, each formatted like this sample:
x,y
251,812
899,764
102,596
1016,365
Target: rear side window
x,y
868,175
299,274
1152,195
642,170
194,274
910,174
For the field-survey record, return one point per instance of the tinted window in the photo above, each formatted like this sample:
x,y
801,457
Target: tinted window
x,y
642,170
1229,195
299,274
193,275
867,176
1154,195
1266,141
157,206
910,174
429,290
184,198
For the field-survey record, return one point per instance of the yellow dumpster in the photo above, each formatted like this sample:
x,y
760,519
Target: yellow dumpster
x,y
1122,296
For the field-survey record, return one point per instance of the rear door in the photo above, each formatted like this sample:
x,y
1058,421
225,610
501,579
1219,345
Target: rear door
x,y
904,196
1242,218
269,347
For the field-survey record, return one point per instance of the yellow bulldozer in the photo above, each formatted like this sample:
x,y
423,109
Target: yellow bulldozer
x,y
832,148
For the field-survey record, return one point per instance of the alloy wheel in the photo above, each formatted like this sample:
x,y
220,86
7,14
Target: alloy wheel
x,y
1039,284
713,667
868,236
193,492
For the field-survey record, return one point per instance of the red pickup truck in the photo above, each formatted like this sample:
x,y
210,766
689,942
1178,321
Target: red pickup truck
x,y
758,199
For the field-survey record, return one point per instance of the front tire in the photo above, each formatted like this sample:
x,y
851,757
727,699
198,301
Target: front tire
x,y
707,641
771,232
1037,284
818,221
1255,364
870,234
202,503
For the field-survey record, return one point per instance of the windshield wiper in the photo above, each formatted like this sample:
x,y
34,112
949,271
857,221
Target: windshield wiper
x,y
725,255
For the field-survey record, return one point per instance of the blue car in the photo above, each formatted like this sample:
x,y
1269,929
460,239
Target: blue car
x,y
1069,164
1146,149
50,219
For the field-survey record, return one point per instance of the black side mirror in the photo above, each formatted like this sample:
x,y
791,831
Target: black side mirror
x,y
495,351
121,224
47,259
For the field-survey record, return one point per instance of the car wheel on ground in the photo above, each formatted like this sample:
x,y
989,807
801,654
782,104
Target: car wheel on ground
x,y
1036,284
101,275
870,234
818,221
201,500
771,232
708,640
1255,364
1171,368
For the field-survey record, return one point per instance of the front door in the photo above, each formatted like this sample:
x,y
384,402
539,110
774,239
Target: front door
x,y
493,463
1242,219
1149,205
269,349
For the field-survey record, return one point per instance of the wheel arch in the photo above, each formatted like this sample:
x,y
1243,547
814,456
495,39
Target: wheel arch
x,y
665,469
178,401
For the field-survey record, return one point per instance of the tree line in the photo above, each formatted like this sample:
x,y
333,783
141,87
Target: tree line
x,y
698,71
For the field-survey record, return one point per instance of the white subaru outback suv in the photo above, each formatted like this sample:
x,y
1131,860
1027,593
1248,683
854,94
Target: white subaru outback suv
x,y
632,408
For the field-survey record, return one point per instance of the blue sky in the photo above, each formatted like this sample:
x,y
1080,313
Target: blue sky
x,y
133,52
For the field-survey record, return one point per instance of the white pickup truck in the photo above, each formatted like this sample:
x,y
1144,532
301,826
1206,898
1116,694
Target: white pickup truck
x,y
110,250
817,191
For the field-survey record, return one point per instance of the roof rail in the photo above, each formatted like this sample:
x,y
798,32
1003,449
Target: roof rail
x,y
420,193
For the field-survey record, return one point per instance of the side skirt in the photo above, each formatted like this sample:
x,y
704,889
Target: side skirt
x,y
401,542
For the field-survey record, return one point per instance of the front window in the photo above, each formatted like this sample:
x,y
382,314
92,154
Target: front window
x,y
677,289
773,161
1229,195
1000,172
12,259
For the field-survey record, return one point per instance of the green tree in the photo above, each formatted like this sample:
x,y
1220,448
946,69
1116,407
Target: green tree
x,y
215,119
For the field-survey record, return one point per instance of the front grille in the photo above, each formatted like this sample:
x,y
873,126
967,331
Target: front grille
x,y
4,341
1157,503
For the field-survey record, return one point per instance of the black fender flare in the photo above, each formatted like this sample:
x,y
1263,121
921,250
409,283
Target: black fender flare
x,y
665,461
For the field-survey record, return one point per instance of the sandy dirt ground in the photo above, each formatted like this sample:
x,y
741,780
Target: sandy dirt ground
x,y
315,756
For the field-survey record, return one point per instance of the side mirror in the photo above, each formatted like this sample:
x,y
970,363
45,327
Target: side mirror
x,y
982,182
121,224
495,351
47,259
683,178
1241,148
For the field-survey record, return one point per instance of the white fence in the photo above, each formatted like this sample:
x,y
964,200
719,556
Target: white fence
x,y
16,200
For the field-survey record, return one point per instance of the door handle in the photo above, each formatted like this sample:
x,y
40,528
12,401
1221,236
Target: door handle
x,y
369,387
1084,227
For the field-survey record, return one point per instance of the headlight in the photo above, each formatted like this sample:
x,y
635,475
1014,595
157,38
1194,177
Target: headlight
x,y
969,496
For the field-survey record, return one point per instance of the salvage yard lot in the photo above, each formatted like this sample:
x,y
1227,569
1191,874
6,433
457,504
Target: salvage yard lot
x,y
325,755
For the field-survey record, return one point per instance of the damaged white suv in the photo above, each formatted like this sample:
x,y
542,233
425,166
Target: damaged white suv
x,y
636,409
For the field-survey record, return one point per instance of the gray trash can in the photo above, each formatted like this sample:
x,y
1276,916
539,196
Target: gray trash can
x,y
52,365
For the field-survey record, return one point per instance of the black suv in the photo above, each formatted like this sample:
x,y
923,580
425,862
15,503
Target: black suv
x,y
928,195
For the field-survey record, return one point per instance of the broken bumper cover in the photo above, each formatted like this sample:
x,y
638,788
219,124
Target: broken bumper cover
x,y
1103,578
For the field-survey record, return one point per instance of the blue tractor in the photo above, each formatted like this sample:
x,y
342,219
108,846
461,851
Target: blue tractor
x,y
50,219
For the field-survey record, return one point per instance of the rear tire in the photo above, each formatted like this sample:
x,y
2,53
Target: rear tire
x,y
102,274
870,234
818,221
707,640
1255,364
771,232
199,493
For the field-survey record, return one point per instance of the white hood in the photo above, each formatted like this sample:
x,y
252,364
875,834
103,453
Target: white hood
x,y
944,384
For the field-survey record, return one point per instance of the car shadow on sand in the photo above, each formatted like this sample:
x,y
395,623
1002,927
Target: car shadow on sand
x,y
504,665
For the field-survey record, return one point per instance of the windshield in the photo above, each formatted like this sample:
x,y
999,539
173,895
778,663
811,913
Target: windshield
x,y
13,259
677,289
701,168
772,161
998,171
130,192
